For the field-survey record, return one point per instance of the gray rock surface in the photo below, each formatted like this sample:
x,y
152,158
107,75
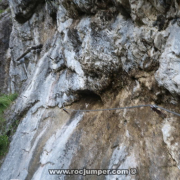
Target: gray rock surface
x,y
95,54
5,30
3,4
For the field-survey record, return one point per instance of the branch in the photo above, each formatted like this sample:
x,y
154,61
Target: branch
x,y
28,50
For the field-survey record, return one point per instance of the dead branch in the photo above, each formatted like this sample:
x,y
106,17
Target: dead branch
x,y
29,49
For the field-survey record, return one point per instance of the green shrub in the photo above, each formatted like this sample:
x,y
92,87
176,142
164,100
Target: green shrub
x,y
5,101
1,11
4,143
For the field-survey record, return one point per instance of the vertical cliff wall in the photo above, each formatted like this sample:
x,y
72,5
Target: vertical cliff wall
x,y
93,55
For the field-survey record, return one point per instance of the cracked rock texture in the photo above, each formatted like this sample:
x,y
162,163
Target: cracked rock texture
x,y
96,54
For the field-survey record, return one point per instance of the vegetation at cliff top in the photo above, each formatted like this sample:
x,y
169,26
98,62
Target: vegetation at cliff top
x,y
5,101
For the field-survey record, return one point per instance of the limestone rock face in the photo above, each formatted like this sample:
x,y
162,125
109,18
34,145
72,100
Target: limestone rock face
x,y
4,4
5,30
22,10
95,55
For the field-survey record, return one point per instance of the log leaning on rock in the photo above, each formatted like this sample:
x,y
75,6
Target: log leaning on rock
x,y
29,49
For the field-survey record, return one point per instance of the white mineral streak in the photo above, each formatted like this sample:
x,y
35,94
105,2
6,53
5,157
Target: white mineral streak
x,y
55,153
123,161
22,147
171,142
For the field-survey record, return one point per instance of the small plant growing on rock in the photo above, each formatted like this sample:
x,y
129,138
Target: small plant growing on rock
x,y
5,101
4,142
